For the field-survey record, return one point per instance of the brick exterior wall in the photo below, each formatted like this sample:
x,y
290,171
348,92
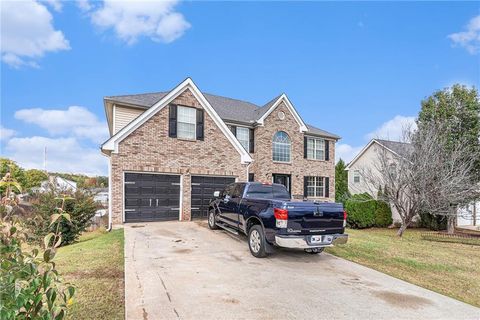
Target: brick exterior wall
x,y
150,149
263,166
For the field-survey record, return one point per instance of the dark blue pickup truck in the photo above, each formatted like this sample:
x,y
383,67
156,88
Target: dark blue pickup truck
x,y
269,217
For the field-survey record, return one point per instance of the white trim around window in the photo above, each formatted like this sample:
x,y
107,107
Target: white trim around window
x,y
186,123
315,149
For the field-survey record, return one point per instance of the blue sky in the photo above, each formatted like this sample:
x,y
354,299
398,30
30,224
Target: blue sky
x,y
357,69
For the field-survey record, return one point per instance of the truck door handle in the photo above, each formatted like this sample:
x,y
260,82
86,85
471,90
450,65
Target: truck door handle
x,y
157,203
150,202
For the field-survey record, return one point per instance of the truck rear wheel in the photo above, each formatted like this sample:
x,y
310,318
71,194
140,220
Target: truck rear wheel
x,y
256,241
211,220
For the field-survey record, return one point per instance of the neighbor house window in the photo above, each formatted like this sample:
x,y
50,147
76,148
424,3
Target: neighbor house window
x,y
186,122
281,147
315,187
356,176
315,149
243,135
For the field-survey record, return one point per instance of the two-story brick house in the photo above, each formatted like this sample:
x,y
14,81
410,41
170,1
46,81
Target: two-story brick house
x,y
169,151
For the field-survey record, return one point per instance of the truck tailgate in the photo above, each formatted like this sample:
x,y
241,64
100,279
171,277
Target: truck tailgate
x,y
314,218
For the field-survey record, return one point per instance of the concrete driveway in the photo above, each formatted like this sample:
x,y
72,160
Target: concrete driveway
x,y
183,270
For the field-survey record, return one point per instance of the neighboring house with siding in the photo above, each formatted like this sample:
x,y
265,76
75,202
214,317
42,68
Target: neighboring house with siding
x,y
169,151
367,160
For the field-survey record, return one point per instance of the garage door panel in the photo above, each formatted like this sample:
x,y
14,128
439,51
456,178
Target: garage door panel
x,y
151,197
202,191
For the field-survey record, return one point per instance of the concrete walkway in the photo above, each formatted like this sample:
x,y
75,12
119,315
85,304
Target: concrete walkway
x,y
182,270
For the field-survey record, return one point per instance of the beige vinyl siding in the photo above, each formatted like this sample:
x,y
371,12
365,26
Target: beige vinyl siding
x,y
123,116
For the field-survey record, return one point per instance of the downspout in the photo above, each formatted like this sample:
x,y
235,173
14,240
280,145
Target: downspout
x,y
109,228
248,166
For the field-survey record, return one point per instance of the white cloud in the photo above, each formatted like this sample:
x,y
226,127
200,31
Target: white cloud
x,y
393,129
346,152
6,133
84,5
63,155
27,33
55,4
130,20
76,121
470,38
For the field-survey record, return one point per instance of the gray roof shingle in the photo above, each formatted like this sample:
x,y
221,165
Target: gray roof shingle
x,y
403,149
227,108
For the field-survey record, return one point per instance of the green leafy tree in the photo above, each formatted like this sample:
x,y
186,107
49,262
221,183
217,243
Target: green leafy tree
x,y
16,172
457,109
34,178
341,182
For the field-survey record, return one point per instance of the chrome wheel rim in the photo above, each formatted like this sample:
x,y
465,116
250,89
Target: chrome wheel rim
x,y
255,241
211,219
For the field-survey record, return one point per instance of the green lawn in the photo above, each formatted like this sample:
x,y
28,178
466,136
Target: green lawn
x,y
451,269
95,266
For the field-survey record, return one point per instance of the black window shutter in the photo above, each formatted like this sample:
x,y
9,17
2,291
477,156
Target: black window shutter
x,y
327,150
305,141
305,183
251,177
252,141
327,187
172,121
234,130
200,124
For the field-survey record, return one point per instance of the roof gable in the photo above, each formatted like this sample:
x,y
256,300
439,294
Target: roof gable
x,y
400,149
272,106
112,143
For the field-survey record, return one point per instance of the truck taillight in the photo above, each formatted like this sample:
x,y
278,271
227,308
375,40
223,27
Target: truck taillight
x,y
281,217
344,218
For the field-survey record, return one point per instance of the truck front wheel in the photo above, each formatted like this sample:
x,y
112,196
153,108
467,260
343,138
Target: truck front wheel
x,y
211,219
256,241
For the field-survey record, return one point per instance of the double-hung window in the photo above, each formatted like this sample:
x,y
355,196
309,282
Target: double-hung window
x,y
356,176
315,149
243,135
315,187
186,123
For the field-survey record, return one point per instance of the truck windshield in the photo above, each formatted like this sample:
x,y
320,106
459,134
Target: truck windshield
x,y
265,191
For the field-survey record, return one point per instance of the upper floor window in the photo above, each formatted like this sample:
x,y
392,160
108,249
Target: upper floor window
x,y
281,147
356,176
243,135
186,122
315,149
315,187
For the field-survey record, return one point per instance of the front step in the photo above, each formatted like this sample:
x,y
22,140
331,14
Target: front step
x,y
227,228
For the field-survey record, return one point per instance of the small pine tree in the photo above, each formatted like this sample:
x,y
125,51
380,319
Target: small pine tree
x,y
341,182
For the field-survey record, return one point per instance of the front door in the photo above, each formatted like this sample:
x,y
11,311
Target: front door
x,y
284,179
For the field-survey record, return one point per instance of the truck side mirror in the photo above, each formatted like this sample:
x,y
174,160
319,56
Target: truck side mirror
x,y
216,194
